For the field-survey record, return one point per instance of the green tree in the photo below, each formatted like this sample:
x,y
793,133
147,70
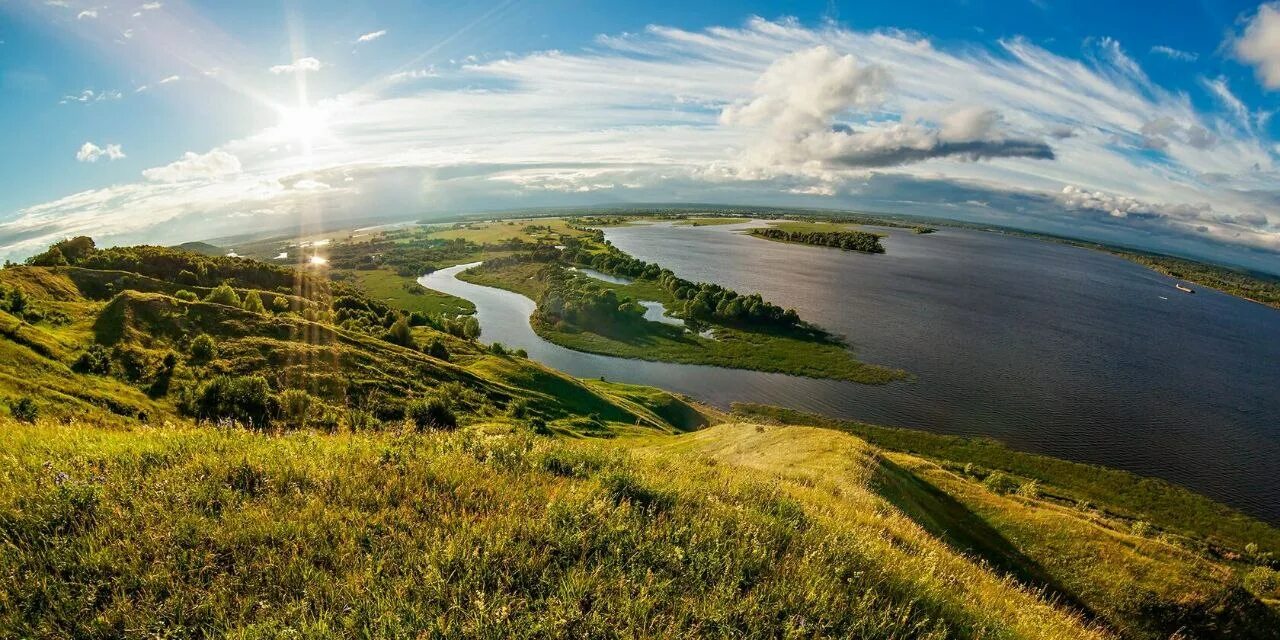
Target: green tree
x,y
253,303
203,348
470,328
400,333
224,294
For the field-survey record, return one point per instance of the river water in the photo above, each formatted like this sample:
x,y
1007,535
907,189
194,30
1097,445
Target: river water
x,y
1049,348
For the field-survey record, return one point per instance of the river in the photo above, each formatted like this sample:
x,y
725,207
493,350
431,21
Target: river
x,y
1049,348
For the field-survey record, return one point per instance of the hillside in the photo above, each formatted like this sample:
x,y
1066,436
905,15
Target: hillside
x,y
205,446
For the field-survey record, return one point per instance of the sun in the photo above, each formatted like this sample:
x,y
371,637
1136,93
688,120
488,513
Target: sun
x,y
304,126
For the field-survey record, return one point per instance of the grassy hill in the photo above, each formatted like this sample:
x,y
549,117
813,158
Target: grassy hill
x,y
247,451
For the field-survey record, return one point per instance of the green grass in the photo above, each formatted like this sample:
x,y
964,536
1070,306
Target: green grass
x,y
405,293
1124,495
815,226
494,232
229,534
731,346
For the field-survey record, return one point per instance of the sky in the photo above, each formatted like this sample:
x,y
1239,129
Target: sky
x,y
167,121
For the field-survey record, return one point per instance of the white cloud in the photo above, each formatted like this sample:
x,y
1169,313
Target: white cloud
x,y
87,13
1259,45
194,166
90,152
800,96
89,95
301,64
1175,54
412,74
168,79
150,6
372,35
639,117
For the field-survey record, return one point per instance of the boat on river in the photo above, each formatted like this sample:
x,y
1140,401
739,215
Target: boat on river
x,y
1184,288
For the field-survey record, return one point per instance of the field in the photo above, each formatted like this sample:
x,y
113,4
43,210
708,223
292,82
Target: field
x,y
405,293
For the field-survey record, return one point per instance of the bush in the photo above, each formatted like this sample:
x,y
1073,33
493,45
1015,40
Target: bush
x,y
1030,489
1140,528
253,303
497,349
518,408
539,426
1264,582
400,333
186,296
431,413
203,348
437,350
997,482
224,294
280,304
96,361
295,407
244,399
24,409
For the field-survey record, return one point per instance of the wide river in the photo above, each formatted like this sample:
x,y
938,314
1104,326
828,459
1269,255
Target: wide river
x,y
1049,348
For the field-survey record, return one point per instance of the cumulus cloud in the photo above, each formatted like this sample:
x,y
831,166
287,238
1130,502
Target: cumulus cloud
x,y
800,96
195,166
1118,206
372,35
90,152
1259,45
301,64
1175,54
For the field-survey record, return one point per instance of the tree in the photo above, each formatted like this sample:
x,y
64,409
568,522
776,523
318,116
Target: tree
x,y
253,303
186,296
224,294
470,328
203,348
400,333
70,251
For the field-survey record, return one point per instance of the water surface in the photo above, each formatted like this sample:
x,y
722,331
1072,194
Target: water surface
x,y
1049,348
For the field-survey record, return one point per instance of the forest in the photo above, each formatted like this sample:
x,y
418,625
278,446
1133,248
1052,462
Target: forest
x,y
847,240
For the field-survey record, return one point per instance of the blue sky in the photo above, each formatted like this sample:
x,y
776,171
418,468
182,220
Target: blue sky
x,y
165,121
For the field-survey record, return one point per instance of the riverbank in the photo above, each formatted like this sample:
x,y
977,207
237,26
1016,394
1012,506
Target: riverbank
x,y
731,347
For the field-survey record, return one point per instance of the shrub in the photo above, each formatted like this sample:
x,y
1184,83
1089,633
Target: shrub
x,y
253,303
431,413
997,482
203,348
244,399
224,294
1264,582
295,406
1140,527
520,353
1029,489
437,350
280,304
186,296
539,426
95,360
24,409
497,349
400,333
518,408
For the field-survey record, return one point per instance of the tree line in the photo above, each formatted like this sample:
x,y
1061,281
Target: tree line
x,y
847,240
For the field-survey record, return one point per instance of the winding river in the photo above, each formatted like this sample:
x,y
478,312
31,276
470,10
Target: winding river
x,y
1048,348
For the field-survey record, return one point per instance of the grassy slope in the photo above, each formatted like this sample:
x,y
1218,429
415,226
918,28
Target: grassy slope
x,y
1124,495
404,292
709,221
731,347
232,534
